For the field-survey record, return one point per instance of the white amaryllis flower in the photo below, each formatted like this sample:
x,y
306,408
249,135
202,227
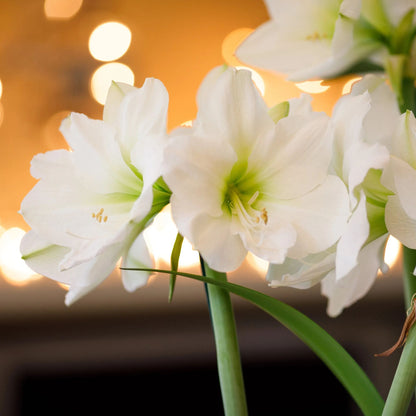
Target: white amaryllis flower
x,y
362,127
400,177
92,202
244,181
308,38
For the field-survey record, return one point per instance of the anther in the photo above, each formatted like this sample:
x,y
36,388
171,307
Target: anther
x,y
99,216
264,216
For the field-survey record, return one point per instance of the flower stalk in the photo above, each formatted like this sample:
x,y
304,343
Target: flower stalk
x,y
403,386
227,347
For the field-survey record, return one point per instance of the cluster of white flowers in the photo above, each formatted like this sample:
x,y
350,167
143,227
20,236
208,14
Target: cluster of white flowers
x,y
315,196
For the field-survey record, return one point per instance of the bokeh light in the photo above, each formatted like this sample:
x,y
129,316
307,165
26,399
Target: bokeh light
x,y
160,238
312,87
392,251
105,74
231,42
109,41
346,89
61,9
257,263
187,123
13,268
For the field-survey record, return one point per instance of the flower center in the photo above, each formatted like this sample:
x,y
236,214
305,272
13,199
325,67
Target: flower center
x,y
248,216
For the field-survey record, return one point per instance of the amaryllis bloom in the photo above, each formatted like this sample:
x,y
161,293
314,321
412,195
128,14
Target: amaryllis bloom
x,y
362,127
308,38
92,202
246,179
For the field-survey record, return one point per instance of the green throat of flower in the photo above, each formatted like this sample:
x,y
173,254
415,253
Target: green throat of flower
x,y
243,207
376,199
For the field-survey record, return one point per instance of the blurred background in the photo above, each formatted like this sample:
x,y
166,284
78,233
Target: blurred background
x,y
120,353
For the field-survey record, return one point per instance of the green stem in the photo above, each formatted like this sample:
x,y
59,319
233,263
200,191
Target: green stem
x,y
403,386
408,94
404,382
409,279
228,353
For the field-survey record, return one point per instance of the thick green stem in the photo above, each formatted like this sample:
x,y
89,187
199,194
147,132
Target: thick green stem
x,y
409,279
404,382
228,353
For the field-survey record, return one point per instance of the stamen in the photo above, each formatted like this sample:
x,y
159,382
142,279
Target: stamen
x,y
316,36
249,216
253,198
264,216
99,216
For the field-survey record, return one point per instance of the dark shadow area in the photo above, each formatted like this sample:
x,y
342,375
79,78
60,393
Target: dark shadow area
x,y
272,388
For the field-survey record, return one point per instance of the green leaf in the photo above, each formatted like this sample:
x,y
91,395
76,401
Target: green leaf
x,y
342,365
174,264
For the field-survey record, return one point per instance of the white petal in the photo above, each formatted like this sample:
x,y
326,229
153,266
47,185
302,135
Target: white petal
x,y
297,41
319,217
294,156
352,240
213,238
270,48
62,210
346,124
272,243
404,143
404,185
351,8
44,258
301,106
359,158
195,169
115,96
381,120
399,224
142,113
301,274
137,257
231,109
96,156
352,287
147,157
86,250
